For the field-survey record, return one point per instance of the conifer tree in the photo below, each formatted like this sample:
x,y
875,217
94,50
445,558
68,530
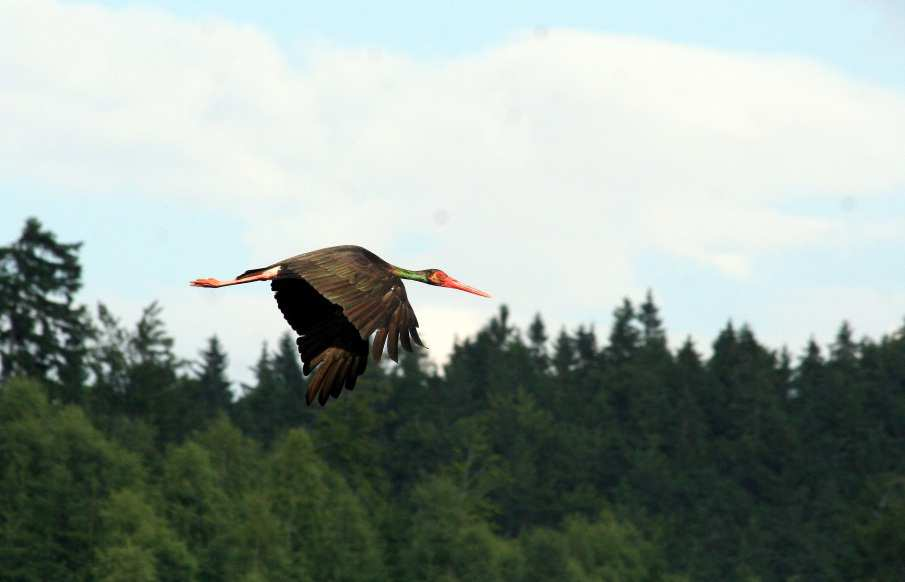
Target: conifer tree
x,y
843,350
586,346
157,393
285,366
42,331
499,329
537,338
687,390
254,412
109,363
213,385
564,354
624,336
651,325
276,401
150,344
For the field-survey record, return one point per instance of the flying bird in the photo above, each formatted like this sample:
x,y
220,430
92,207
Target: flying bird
x,y
334,299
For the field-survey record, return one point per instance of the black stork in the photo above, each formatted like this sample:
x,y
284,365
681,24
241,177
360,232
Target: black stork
x,y
334,299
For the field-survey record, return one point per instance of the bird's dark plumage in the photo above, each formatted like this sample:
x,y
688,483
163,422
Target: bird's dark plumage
x,y
327,342
335,298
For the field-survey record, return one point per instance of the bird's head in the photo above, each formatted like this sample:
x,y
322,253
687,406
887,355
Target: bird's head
x,y
441,279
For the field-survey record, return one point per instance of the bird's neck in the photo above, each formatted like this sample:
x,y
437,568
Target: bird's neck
x,y
410,275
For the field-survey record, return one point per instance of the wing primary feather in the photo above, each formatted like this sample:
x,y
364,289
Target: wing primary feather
x,y
393,340
312,389
324,392
416,337
340,381
404,333
379,341
330,377
317,384
351,379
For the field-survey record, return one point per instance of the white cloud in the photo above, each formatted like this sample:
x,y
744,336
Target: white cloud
x,y
731,264
555,158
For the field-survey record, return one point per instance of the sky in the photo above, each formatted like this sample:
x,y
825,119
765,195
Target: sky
x,y
743,160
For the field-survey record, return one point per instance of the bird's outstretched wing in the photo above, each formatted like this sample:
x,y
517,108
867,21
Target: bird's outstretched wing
x,y
328,344
370,296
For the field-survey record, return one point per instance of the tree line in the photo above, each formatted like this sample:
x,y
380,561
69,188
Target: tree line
x,y
530,458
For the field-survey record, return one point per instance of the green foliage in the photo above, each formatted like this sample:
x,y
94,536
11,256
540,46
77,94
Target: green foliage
x,y
125,563
447,539
547,557
607,549
56,472
276,402
156,392
880,535
109,363
42,332
137,542
537,339
138,377
235,458
257,543
213,386
196,505
327,531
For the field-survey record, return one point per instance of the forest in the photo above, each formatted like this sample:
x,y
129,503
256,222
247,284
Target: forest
x,y
531,456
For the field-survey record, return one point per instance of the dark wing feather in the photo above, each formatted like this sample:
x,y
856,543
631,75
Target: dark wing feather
x,y
380,339
328,344
362,284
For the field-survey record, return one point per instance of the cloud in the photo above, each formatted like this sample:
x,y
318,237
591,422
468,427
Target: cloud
x,y
731,264
554,159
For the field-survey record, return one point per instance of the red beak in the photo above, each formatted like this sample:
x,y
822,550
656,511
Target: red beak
x,y
453,284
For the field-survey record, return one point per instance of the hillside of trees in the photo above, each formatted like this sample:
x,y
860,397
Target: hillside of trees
x,y
531,457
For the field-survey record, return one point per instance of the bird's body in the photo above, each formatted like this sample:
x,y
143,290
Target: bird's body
x,y
335,298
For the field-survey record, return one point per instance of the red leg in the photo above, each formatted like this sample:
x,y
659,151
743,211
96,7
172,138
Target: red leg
x,y
214,283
